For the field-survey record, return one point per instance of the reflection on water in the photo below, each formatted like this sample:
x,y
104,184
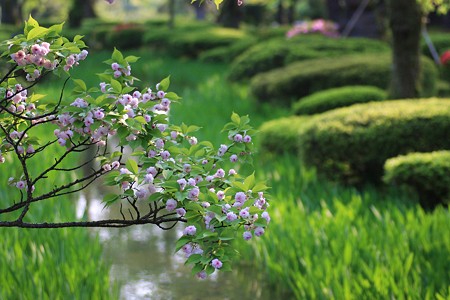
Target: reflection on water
x,y
146,267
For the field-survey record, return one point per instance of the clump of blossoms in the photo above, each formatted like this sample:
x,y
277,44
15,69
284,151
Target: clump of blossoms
x,y
151,162
321,26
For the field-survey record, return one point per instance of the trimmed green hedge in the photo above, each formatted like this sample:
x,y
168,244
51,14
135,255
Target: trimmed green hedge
x,y
278,52
337,97
351,144
193,43
192,40
227,53
306,77
281,135
427,173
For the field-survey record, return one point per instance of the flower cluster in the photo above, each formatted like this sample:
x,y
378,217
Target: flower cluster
x,y
180,178
321,26
40,56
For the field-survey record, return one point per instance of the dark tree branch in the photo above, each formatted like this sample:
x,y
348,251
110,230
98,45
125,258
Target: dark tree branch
x,y
100,223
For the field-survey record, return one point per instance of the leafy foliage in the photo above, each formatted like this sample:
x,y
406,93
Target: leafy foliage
x,y
427,173
338,97
279,52
328,241
351,144
303,78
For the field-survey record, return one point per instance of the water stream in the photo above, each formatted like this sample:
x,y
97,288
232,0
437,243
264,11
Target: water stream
x,y
146,267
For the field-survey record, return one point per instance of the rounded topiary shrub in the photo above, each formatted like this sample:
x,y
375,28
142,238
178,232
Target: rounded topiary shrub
x,y
337,97
351,144
278,52
303,78
427,173
281,135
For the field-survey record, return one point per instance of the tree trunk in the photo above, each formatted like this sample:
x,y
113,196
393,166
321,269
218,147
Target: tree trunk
x,y
81,9
405,21
230,14
11,12
291,11
171,7
279,15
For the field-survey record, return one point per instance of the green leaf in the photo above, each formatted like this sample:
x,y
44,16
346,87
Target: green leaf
x,y
261,222
207,234
197,268
155,197
164,84
181,242
235,118
408,263
36,33
140,119
32,22
194,206
132,166
80,83
167,174
36,97
210,269
131,59
249,182
193,259
216,209
117,56
227,234
117,87
172,96
347,254
259,187
56,28
110,198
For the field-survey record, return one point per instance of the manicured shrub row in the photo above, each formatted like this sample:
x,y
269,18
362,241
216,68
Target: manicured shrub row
x,y
281,135
427,173
227,53
191,41
337,97
278,52
306,77
351,144
230,52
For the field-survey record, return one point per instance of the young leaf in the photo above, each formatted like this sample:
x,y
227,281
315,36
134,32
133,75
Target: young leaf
x,y
117,87
80,83
117,56
249,182
164,84
36,33
132,166
131,59
181,242
235,118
